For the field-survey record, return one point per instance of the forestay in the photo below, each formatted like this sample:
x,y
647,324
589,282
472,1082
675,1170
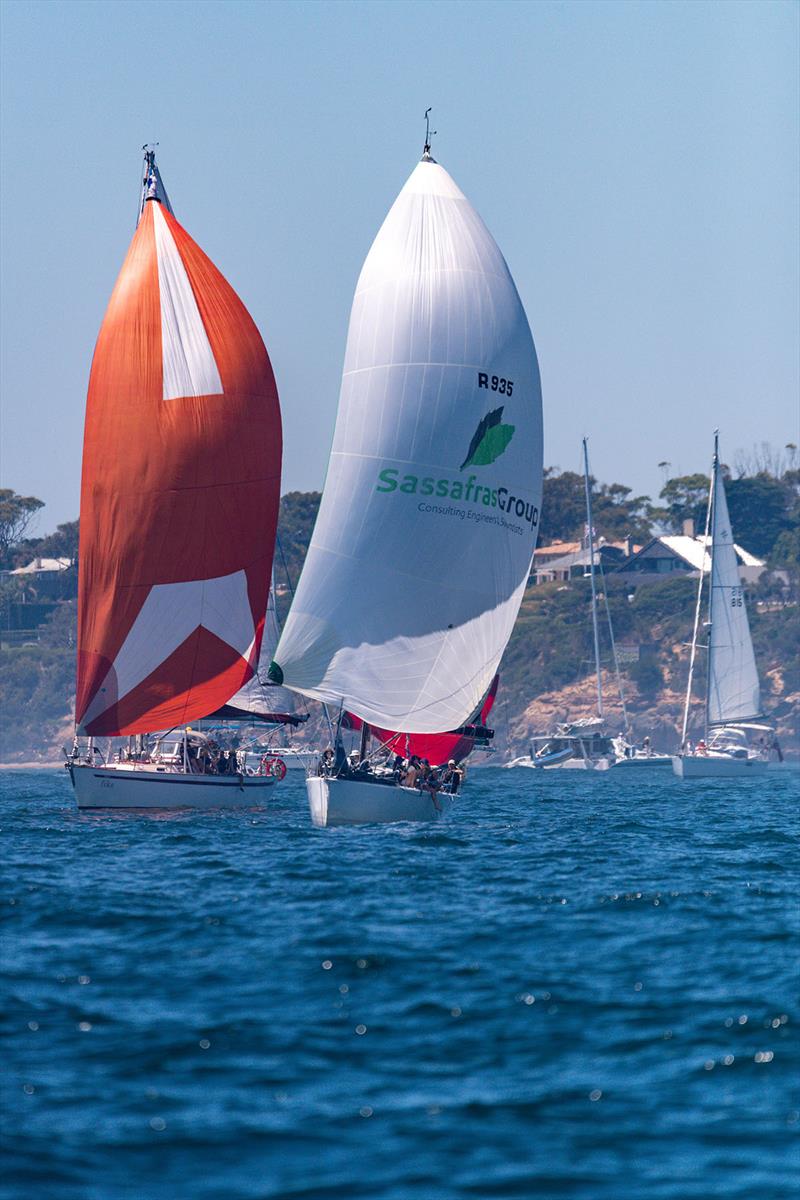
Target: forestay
x,y
426,531
733,688
179,498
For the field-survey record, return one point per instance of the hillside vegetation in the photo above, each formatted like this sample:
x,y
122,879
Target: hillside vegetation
x,y
546,673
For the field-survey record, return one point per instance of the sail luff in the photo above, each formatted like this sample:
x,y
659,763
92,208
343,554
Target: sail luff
x,y
733,688
422,547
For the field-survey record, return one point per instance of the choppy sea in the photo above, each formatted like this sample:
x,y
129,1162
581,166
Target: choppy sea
x,y
577,986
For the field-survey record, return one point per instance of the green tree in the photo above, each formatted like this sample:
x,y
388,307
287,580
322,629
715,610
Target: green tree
x,y
685,497
616,513
16,514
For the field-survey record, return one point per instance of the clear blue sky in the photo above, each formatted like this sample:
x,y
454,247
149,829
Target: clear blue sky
x,y
637,163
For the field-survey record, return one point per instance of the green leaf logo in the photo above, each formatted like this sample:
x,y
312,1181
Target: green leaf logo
x,y
488,441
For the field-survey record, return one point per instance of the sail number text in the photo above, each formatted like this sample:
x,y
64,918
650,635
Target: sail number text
x,y
495,383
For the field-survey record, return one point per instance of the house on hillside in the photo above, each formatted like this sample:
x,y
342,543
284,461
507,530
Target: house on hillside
x,y
682,554
48,578
570,560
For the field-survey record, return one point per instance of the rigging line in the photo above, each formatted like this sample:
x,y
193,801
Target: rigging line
x,y
290,585
614,653
706,553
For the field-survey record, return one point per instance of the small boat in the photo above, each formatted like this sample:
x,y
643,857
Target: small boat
x,y
643,755
586,744
733,694
179,505
581,745
424,540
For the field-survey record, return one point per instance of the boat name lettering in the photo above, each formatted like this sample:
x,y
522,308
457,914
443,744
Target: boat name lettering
x,y
495,383
456,489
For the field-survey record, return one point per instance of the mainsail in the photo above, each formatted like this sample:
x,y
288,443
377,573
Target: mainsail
x,y
179,496
423,544
733,688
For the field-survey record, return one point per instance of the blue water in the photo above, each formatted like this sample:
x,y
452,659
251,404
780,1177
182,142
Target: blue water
x,y
575,987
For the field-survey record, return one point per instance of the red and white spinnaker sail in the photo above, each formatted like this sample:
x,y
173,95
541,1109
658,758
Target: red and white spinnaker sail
x,y
180,490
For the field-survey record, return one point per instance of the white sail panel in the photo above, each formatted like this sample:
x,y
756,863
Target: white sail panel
x,y
258,696
733,688
423,544
188,364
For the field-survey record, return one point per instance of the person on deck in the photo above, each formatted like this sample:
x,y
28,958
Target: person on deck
x,y
410,778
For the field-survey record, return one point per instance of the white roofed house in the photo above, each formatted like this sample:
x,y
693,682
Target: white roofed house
x,y
570,560
682,554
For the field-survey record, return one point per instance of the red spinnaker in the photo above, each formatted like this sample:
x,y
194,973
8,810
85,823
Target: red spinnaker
x,y
438,748
180,489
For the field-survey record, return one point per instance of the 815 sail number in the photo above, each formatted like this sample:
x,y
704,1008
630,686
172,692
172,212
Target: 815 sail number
x,y
495,383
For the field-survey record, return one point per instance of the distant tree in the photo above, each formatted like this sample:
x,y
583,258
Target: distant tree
x,y
563,515
760,510
684,497
296,517
61,544
16,514
616,513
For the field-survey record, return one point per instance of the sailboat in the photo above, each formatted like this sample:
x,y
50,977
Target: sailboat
x,y
584,744
733,711
179,503
425,535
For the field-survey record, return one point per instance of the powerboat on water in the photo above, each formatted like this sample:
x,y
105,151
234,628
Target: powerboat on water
x,y
581,745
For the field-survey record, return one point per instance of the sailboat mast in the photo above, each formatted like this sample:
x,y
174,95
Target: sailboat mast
x,y
706,550
711,521
591,571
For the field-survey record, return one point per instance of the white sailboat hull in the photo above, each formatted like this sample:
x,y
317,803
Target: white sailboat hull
x,y
360,802
717,766
111,787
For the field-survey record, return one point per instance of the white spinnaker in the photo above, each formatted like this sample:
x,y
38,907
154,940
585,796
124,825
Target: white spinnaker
x,y
419,558
258,696
733,688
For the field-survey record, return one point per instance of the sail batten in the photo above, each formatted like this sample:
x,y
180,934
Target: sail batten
x,y
180,486
425,535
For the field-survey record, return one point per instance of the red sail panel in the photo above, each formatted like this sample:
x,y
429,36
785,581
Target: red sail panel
x,y
438,748
179,495
488,703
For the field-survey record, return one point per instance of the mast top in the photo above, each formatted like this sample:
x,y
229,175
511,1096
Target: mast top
x,y
429,133
152,183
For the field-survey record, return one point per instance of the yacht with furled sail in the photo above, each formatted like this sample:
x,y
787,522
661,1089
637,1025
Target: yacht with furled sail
x,y
734,719
425,535
179,504
584,744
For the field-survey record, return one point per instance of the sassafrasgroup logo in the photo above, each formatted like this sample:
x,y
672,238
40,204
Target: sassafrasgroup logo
x,y
489,440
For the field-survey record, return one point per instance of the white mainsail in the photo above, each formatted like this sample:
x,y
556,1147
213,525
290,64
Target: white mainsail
x,y
733,688
424,540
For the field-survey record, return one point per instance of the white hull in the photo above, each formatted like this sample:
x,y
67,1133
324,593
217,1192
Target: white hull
x,y
717,766
360,802
645,760
114,787
569,764
297,760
